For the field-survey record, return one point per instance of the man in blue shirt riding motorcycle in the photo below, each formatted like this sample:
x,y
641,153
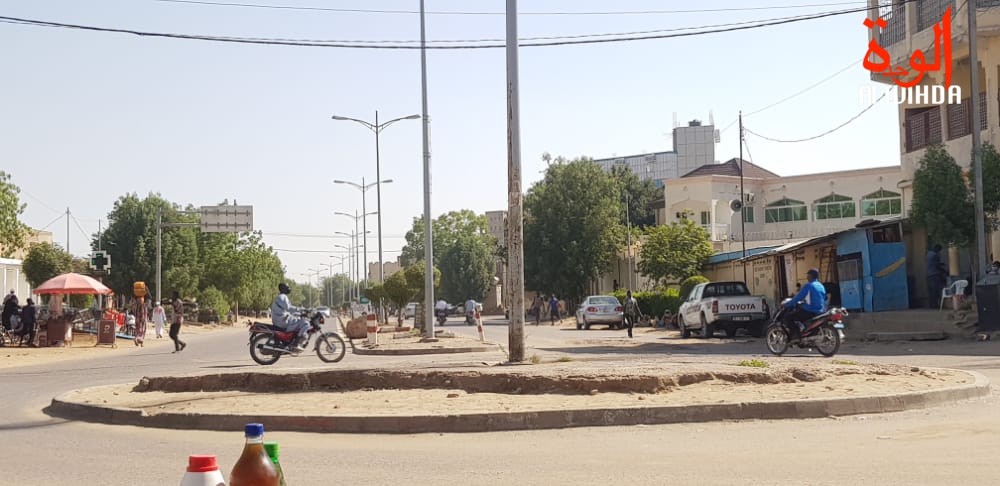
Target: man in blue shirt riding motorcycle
x,y
813,300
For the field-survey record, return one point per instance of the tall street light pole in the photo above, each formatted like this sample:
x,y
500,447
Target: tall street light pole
x,y
351,255
363,235
344,269
977,153
515,242
377,128
428,236
364,188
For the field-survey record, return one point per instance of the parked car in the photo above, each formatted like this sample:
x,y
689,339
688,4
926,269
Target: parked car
x,y
600,309
723,305
410,310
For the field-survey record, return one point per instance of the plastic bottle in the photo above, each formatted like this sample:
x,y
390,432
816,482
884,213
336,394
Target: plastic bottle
x,y
272,452
254,467
203,471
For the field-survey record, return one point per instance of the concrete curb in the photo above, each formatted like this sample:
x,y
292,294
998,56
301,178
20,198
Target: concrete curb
x,y
64,407
418,351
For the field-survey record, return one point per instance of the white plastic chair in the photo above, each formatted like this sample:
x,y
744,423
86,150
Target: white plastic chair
x,y
956,290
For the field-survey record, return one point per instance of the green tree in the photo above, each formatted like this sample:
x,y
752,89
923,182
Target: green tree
x,y
398,291
335,289
213,299
991,185
414,275
466,269
44,261
690,283
131,240
447,229
637,194
671,253
942,203
12,231
572,227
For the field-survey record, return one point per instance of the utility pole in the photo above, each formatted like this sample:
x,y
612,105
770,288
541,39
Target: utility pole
x,y
743,201
364,233
428,237
67,230
159,243
977,153
515,243
628,238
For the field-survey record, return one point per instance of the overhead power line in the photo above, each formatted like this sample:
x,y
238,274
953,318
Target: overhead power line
x,y
441,12
368,45
797,93
838,127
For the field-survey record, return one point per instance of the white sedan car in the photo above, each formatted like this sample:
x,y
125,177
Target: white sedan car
x,y
600,309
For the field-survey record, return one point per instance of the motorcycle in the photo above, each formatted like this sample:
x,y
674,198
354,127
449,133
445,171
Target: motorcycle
x,y
268,343
442,316
824,332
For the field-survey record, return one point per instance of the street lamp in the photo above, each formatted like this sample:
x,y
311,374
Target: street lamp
x,y
364,233
351,256
353,250
377,128
329,295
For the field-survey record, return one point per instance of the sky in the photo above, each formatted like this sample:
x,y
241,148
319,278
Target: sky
x,y
88,116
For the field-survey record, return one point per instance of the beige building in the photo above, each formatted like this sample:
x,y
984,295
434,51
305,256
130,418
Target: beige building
x,y
388,267
36,236
909,27
779,209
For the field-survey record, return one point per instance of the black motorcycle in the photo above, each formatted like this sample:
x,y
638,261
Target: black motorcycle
x,y
442,316
824,332
269,343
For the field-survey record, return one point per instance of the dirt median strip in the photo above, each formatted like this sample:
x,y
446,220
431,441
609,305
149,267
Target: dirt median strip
x,y
451,408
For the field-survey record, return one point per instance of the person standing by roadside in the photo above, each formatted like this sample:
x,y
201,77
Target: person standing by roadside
x,y
29,323
10,308
536,308
632,311
175,325
159,318
936,276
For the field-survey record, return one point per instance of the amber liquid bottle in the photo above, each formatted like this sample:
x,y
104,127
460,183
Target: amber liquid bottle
x,y
254,467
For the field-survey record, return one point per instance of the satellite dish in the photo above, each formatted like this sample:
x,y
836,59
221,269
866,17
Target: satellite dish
x,y
736,205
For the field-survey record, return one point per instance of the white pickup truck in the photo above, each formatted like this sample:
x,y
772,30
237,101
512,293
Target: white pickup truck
x,y
723,305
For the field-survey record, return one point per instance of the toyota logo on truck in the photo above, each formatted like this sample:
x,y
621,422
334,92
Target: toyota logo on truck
x,y
740,307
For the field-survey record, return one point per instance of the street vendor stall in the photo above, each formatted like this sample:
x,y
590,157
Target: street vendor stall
x,y
59,328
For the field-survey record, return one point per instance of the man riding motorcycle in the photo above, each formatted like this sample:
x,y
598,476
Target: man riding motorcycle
x,y
813,300
470,312
281,316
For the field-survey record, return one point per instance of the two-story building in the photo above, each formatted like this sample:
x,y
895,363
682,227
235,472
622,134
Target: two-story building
x,y
778,209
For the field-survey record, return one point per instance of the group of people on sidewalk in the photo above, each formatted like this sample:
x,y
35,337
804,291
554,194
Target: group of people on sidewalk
x,y
21,322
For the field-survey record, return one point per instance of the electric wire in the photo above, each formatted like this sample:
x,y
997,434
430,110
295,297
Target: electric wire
x,y
39,201
343,45
54,221
814,137
587,13
82,232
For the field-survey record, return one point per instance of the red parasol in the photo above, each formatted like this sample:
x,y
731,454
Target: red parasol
x,y
72,284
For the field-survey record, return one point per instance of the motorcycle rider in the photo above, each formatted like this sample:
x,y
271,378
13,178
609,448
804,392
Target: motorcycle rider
x,y
470,312
813,300
281,316
441,309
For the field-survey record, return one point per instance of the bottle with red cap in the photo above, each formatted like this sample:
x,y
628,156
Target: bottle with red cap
x,y
203,471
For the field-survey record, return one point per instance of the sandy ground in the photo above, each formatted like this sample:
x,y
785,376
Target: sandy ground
x,y
84,347
833,380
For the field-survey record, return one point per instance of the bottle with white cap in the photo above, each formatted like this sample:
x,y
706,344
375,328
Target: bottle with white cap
x,y
203,471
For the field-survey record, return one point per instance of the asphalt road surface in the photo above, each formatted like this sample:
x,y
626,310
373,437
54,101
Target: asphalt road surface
x,y
955,444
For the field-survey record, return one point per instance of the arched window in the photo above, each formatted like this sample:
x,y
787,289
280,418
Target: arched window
x,y
786,210
834,206
882,203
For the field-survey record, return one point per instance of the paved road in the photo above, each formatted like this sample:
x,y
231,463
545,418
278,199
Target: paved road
x,y
945,445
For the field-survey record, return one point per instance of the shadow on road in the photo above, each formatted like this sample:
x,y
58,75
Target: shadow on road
x,y
35,424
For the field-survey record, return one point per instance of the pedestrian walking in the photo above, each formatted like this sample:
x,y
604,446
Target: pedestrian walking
x,y
175,325
159,318
553,310
10,307
139,310
536,308
632,311
29,322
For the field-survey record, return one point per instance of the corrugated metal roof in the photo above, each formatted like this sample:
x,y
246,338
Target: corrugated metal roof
x,y
736,255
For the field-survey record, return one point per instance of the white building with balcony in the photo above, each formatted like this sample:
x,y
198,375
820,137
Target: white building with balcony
x,y
780,209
